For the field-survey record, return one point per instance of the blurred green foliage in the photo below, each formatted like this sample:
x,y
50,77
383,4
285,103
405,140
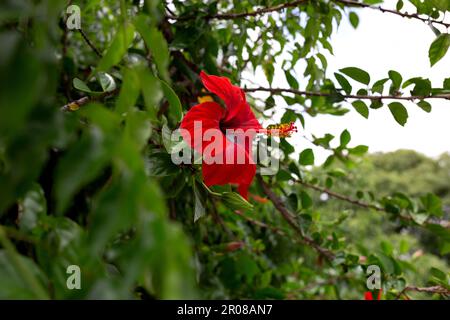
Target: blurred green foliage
x,y
91,184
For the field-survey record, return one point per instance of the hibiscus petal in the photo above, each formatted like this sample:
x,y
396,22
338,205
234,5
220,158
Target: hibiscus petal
x,y
233,163
238,113
208,114
240,173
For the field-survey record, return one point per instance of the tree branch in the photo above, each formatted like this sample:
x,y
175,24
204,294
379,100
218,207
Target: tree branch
x,y
76,104
291,220
434,289
293,4
238,15
348,96
443,223
352,3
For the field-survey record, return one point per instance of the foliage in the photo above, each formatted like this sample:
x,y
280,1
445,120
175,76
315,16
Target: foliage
x,y
86,178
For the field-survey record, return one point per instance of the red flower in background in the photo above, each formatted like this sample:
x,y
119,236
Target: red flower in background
x,y
368,295
236,115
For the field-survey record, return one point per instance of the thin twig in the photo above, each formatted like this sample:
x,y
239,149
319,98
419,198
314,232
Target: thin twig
x,y
443,223
385,10
89,43
434,289
347,96
76,104
238,15
293,4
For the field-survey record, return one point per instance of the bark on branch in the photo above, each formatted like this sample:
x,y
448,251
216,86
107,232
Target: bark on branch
x,y
347,96
279,205
297,3
443,223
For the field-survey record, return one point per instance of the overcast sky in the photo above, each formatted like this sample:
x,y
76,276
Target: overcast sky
x,y
383,42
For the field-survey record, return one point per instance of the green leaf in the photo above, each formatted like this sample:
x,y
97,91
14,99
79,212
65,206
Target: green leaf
x,y
354,19
129,92
199,209
138,128
176,110
359,150
235,201
432,204
292,202
361,107
293,83
33,208
438,275
399,112
306,157
156,43
81,85
357,74
159,164
446,84
269,70
16,285
419,218
118,48
376,104
345,138
87,157
422,86
442,5
378,86
346,86
151,90
439,48
396,80
106,81
399,5
424,105
305,200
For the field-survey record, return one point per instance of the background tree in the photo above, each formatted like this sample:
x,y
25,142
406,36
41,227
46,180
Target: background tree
x,y
86,178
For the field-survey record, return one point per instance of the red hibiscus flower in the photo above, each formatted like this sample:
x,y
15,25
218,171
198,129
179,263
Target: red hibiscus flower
x,y
368,295
205,128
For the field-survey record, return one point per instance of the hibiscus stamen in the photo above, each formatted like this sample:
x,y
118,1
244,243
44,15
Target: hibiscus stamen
x,y
282,130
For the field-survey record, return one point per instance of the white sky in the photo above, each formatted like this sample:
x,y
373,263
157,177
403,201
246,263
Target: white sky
x,y
383,42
